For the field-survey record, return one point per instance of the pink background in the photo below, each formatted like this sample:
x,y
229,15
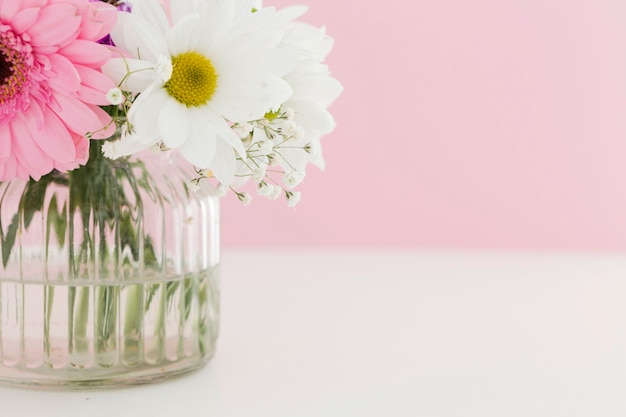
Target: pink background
x,y
464,124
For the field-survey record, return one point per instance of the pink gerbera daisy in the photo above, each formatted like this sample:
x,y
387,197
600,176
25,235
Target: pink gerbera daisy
x,y
51,84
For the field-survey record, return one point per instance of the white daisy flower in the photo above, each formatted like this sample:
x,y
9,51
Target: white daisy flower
x,y
314,89
208,64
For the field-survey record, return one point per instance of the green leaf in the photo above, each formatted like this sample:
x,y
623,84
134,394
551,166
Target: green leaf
x,y
57,220
33,198
9,240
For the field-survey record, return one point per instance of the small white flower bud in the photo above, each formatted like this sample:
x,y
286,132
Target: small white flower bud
x,y
245,198
163,69
221,190
313,148
289,113
293,198
265,189
272,159
194,185
298,132
109,151
275,192
266,147
242,130
115,96
258,175
293,178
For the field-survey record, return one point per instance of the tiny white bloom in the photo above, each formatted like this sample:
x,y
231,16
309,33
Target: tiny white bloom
x,y
243,129
298,132
221,190
126,145
266,147
245,198
273,159
194,185
265,189
258,175
163,69
108,149
276,191
115,96
289,113
293,178
293,198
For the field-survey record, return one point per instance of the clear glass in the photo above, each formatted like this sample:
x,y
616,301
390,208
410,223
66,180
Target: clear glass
x,y
109,274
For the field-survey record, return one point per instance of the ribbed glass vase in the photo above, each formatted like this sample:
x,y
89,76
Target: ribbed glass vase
x,y
109,274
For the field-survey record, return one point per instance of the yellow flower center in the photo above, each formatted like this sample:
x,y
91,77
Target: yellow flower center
x,y
194,79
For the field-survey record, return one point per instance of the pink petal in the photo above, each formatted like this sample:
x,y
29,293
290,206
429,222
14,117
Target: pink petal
x,y
57,24
24,19
5,142
8,169
82,149
33,3
91,96
65,77
105,120
8,9
87,53
78,116
95,85
27,152
35,114
21,171
81,145
98,21
56,141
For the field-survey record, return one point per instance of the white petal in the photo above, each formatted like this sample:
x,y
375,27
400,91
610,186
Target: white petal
x,y
290,13
143,111
224,131
240,50
173,120
181,39
125,146
313,117
139,37
277,61
199,148
224,163
243,7
180,9
319,88
244,96
244,21
130,74
217,20
153,12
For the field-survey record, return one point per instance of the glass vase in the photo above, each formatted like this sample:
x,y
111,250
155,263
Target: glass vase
x,y
109,274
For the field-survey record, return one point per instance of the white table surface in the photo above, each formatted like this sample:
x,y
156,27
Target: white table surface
x,y
394,333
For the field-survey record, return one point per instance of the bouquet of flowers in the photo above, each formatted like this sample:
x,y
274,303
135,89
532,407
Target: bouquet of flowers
x,y
240,91
110,256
